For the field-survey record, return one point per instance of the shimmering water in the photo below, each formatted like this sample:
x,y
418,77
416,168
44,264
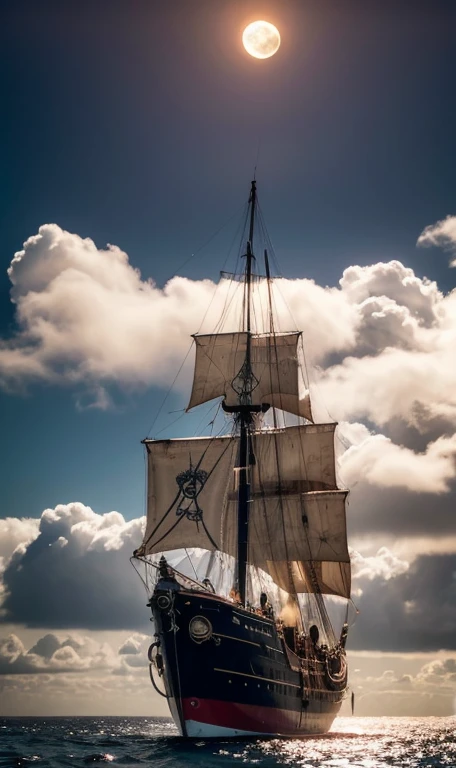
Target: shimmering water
x,y
138,741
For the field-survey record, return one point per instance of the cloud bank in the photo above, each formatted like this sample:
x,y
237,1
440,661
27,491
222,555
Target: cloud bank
x,y
76,575
385,336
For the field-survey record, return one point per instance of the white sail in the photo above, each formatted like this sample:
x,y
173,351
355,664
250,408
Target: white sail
x,y
274,366
327,578
294,459
297,515
187,506
288,533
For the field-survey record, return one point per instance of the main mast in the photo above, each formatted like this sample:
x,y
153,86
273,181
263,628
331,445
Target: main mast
x,y
245,416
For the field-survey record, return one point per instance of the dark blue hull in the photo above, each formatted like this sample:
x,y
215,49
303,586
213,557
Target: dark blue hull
x,y
228,671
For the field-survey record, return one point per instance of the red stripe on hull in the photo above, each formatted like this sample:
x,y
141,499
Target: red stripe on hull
x,y
242,717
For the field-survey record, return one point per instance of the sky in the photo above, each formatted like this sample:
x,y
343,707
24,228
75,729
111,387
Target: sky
x,y
129,135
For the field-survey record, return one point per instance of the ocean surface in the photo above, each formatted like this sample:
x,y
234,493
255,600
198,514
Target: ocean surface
x,y
56,742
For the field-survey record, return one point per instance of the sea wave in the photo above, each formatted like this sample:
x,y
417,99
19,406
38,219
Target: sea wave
x,y
352,743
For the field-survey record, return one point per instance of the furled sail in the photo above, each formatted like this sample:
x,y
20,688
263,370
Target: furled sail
x,y
187,505
274,368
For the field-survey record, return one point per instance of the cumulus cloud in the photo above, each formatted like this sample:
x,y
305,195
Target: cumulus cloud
x,y
76,674
16,532
397,283
94,678
438,672
385,564
442,234
52,654
416,386
402,366
85,314
76,573
380,462
86,317
132,646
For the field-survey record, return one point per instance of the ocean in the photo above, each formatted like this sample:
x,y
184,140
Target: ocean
x,y
57,742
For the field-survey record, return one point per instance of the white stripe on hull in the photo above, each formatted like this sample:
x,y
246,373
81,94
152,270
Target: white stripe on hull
x,y
311,724
195,729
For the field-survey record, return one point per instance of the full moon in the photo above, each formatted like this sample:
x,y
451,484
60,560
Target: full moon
x,y
261,39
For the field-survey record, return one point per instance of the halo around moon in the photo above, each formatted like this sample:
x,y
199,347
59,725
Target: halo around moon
x,y
261,39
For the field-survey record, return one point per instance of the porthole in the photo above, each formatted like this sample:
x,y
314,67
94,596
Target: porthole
x,y
200,629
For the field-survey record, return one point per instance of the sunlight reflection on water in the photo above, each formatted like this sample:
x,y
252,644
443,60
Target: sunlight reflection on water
x,y
360,743
353,743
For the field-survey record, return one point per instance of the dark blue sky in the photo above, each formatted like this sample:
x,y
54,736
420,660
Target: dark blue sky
x,y
139,123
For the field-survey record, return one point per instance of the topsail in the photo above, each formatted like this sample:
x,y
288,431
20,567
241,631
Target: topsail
x,y
275,373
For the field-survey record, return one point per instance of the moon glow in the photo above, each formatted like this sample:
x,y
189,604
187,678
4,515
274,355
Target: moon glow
x,y
261,39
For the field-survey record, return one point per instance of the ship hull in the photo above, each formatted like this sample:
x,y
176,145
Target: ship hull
x,y
240,679
218,719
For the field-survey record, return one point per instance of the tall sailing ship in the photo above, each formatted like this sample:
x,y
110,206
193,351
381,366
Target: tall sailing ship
x,y
244,643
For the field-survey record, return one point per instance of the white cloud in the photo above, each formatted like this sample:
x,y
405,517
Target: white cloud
x,y
85,316
386,337
385,564
14,532
397,283
403,365
76,573
414,386
380,462
132,645
52,654
442,234
439,672
76,674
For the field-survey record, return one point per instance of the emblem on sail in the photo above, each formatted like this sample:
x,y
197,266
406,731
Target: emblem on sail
x,y
245,381
191,483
